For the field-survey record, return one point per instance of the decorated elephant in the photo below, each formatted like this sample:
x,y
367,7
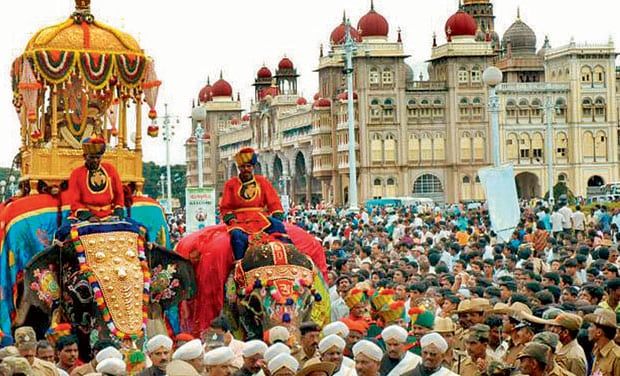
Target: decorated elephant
x,y
274,284
221,284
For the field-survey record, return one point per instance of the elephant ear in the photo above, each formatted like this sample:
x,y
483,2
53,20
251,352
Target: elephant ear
x,y
41,279
172,277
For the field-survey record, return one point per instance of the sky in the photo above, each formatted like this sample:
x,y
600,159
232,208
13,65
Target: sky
x,y
191,40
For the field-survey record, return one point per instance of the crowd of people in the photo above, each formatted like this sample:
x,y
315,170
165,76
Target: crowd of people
x,y
413,292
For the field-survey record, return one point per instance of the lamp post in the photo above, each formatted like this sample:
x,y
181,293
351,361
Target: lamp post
x,y
492,76
199,133
549,154
162,182
168,133
3,189
349,49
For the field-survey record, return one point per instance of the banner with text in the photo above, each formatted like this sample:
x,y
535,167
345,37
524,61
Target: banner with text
x,y
199,208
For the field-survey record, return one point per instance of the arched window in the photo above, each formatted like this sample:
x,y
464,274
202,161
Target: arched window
x,y
599,107
512,147
586,75
586,108
561,147
375,108
413,152
426,147
376,148
536,108
466,188
466,146
599,75
479,147
463,76
511,108
439,147
390,188
524,109
388,109
560,106
427,184
600,146
464,106
412,109
524,147
377,188
588,145
373,77
390,148
476,74
538,146
387,77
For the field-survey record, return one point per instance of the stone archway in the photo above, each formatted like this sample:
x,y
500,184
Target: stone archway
x,y
528,185
595,185
300,178
428,186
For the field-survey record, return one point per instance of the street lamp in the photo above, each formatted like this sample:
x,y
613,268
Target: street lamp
x,y
168,133
199,133
549,108
349,48
162,182
492,76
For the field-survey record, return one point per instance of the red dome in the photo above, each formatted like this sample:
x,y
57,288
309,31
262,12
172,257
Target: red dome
x,y
221,88
246,117
271,91
373,24
191,140
301,101
205,94
206,136
344,96
316,97
323,102
459,24
264,72
285,63
234,121
340,32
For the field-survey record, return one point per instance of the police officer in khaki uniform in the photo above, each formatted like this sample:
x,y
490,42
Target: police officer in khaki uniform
x,y
601,333
17,365
551,340
26,343
477,359
533,359
570,355
463,324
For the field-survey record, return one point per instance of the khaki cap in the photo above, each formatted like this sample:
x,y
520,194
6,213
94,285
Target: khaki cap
x,y
547,338
602,317
517,308
536,351
444,325
18,365
500,308
479,305
464,306
8,351
25,334
478,332
567,320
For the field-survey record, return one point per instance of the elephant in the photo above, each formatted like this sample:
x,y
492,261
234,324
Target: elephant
x,y
274,284
211,253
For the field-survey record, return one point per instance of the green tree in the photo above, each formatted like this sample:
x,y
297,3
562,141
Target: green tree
x,y
152,180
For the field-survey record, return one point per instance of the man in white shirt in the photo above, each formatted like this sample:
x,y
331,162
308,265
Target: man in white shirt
x,y
578,219
567,223
557,221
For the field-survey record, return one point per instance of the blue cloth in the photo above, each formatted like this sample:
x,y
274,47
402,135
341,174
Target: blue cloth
x,y
239,240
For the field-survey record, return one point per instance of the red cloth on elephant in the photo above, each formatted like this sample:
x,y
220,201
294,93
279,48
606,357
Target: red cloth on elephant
x,y
212,245
89,191
250,202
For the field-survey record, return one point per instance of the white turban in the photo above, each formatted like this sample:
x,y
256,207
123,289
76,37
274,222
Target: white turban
x,y
112,366
336,327
394,332
276,349
219,357
107,353
331,341
434,339
278,333
283,361
159,341
369,349
189,351
254,347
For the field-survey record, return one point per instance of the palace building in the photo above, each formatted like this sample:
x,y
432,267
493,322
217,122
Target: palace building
x,y
422,137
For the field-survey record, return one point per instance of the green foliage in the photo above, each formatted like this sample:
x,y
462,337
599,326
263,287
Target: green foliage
x,y
561,189
152,183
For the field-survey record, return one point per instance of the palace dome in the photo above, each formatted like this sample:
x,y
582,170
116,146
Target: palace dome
x,y
521,37
340,32
301,101
205,94
323,102
221,88
372,24
285,63
460,24
245,117
263,72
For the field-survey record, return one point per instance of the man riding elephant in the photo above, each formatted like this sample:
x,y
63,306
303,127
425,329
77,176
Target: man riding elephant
x,y
250,205
95,189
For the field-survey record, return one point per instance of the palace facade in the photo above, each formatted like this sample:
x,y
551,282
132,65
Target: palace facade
x,y
422,137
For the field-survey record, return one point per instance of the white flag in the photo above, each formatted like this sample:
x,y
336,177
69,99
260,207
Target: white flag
x,y
502,201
